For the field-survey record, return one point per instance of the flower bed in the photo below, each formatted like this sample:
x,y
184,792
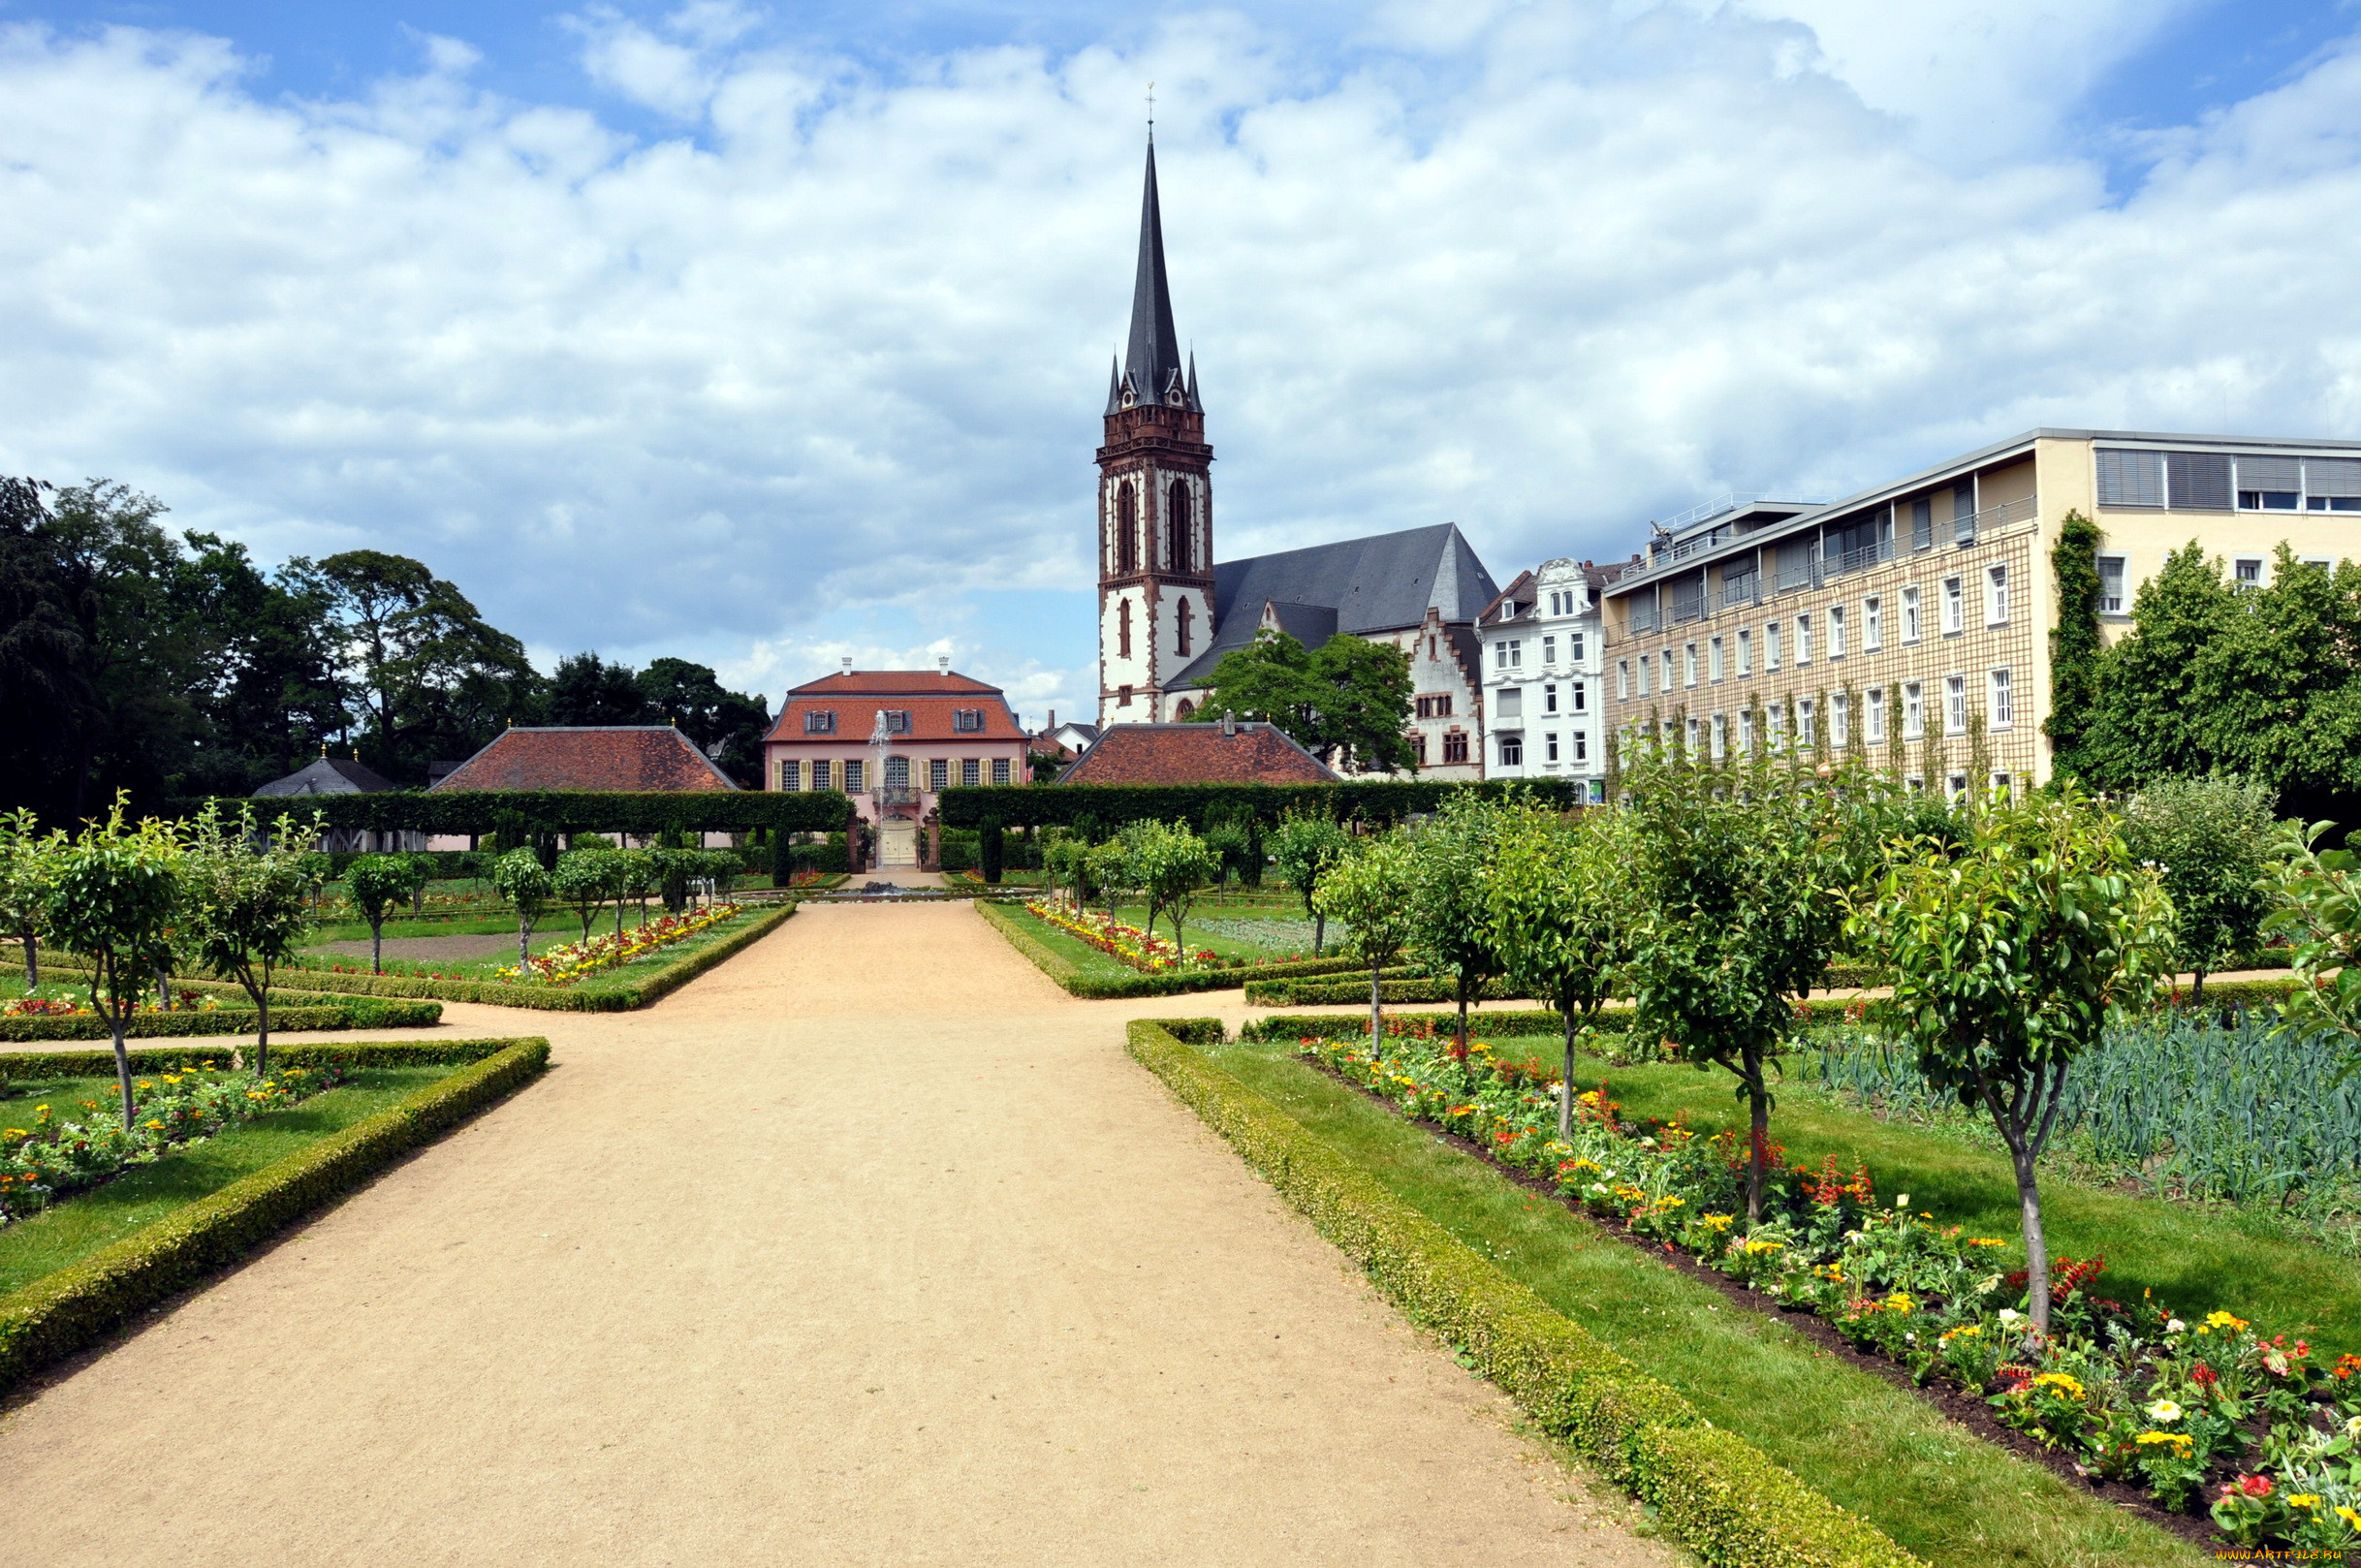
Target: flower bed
x,y
2186,1413
1144,951
59,1004
52,1158
575,960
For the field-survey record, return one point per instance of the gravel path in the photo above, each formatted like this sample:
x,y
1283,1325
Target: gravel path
x,y
869,1247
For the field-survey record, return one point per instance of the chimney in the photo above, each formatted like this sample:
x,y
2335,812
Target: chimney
x,y
942,664
848,664
1050,723
1229,723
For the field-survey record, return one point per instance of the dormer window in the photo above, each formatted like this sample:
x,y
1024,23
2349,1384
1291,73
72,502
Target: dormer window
x,y
897,721
967,720
819,721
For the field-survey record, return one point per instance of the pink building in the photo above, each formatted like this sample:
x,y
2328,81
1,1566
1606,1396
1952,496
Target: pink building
x,y
893,740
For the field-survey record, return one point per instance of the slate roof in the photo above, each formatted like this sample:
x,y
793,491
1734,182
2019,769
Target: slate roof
x,y
588,757
1152,357
1256,753
1384,582
930,697
331,776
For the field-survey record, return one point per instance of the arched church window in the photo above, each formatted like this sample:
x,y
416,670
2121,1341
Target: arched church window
x,y
1177,527
1185,708
1123,628
1187,614
1126,532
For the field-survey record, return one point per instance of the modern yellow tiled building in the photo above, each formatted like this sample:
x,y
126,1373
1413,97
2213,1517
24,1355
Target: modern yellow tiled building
x,y
1926,604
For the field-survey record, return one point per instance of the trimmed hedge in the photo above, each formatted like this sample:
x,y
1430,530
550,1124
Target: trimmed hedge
x,y
1714,1492
23,1066
1330,990
1018,805
1069,976
640,813
658,982
1288,1028
82,1304
291,1011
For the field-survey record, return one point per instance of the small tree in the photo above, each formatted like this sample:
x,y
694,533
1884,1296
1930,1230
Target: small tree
x,y
376,884
1303,848
1106,867
718,869
634,874
990,852
2319,910
2210,842
1369,891
2012,954
518,877
585,878
27,862
1450,876
249,905
1741,874
1171,863
1562,905
114,899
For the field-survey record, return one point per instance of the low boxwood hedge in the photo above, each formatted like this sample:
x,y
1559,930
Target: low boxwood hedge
x,y
1714,1492
548,999
1069,976
78,1306
292,1012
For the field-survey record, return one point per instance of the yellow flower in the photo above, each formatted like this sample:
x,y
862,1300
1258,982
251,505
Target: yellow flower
x,y
2224,1320
2152,1439
155,1124
2303,1500
2064,1384
2348,1515
1966,1330
1718,1222
1899,1302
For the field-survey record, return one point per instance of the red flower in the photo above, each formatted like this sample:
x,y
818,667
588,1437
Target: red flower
x,y
2204,1376
2254,1485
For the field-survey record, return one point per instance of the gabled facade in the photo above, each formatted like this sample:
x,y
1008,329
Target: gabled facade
x,y
1542,657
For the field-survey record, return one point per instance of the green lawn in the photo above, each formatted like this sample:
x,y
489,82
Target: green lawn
x,y
553,930
1956,1501
2196,1258
87,1221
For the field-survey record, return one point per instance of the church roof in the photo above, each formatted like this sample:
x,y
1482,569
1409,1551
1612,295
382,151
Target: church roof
x,y
1152,366
331,775
1383,583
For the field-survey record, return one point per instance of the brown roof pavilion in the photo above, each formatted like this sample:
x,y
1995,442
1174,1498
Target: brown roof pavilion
x,y
631,757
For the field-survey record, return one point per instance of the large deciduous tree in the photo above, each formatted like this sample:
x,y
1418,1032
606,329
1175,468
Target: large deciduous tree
x,y
2210,842
1346,702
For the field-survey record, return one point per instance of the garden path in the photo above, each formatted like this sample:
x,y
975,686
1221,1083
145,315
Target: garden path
x,y
869,1246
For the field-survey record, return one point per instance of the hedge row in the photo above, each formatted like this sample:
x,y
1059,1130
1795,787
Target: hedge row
x,y
622,1000
1329,989
637,813
1018,805
1289,1027
1714,1493
367,1014
1070,977
78,1306
26,1065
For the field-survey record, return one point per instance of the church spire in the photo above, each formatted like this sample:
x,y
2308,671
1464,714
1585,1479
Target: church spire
x,y
1153,369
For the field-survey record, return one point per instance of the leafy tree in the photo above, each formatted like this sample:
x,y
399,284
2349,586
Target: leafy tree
x,y
376,884
2075,646
2209,840
2011,956
27,864
587,878
692,697
1450,889
1303,848
2318,909
1370,889
248,904
587,690
1740,871
990,852
636,877
1348,702
1562,907
520,877
1170,864
1106,867
114,899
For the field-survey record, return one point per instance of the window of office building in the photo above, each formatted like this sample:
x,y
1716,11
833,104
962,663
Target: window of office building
x,y
1872,624
2000,700
1721,733
1952,606
1996,596
1622,680
1839,720
1688,664
1803,639
1712,659
2111,585
1688,736
1746,653
1913,712
1836,630
1770,649
1746,731
1922,523
1774,723
1873,716
1803,722
1909,614
1644,661
1955,705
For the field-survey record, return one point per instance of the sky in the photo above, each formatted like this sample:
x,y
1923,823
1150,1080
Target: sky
x,y
771,336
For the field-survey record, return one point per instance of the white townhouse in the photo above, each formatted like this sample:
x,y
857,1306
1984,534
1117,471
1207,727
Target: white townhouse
x,y
1542,663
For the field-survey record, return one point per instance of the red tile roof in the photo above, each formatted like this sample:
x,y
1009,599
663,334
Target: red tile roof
x,y
618,757
1195,754
930,697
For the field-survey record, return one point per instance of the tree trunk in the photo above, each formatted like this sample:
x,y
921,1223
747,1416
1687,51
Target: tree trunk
x,y
261,1034
1565,1082
1376,1011
618,919
1758,1136
163,991
122,1057
1462,990
377,947
1319,934
32,963
2036,1247
2196,992
524,939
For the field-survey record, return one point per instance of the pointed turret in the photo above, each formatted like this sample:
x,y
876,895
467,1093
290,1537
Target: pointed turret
x,y
1115,386
1152,371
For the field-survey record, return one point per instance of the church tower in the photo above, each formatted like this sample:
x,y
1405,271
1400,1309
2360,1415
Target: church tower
x,y
1155,504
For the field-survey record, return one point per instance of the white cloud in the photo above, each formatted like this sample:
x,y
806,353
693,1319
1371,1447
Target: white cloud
x,y
846,348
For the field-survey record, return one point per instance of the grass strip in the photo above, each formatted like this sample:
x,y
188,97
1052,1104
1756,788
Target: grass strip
x,y
78,1306
589,997
1714,1491
1081,970
1872,1447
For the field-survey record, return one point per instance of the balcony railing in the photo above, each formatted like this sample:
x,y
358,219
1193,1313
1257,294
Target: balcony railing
x,y
897,794
1800,575
1745,590
1643,617
1688,603
1859,558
